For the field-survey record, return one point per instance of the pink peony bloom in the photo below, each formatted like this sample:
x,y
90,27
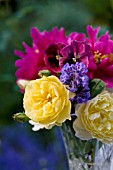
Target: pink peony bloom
x,y
101,61
32,60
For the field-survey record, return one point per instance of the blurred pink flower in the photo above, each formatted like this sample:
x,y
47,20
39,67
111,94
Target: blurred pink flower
x,y
101,61
32,60
30,64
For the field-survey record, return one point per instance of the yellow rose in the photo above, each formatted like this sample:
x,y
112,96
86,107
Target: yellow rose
x,y
95,118
46,102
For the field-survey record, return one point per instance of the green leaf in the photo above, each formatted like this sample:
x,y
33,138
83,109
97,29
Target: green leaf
x,y
96,87
20,117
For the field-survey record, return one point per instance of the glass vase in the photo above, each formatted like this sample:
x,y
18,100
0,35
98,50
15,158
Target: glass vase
x,y
86,155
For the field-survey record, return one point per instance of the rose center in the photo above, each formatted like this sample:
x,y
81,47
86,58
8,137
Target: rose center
x,y
49,97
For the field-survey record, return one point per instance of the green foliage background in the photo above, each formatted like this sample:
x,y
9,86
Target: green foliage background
x,y
16,19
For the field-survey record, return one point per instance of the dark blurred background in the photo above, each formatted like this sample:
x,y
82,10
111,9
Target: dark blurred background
x,y
20,148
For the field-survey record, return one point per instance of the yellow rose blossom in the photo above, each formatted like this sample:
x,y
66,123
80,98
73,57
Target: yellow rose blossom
x,y
46,102
95,118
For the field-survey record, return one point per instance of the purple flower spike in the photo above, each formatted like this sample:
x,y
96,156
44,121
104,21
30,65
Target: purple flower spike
x,y
74,76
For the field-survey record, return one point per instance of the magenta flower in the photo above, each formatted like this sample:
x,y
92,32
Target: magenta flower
x,y
30,64
33,59
93,35
77,37
101,61
76,51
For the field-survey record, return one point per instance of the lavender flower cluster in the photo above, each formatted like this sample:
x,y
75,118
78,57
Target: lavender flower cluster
x,y
74,76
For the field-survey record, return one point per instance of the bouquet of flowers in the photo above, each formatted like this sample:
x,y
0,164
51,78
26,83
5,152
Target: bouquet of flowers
x,y
67,81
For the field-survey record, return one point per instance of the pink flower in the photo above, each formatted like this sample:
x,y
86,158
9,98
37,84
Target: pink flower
x,y
76,36
32,60
101,61
30,64
92,35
